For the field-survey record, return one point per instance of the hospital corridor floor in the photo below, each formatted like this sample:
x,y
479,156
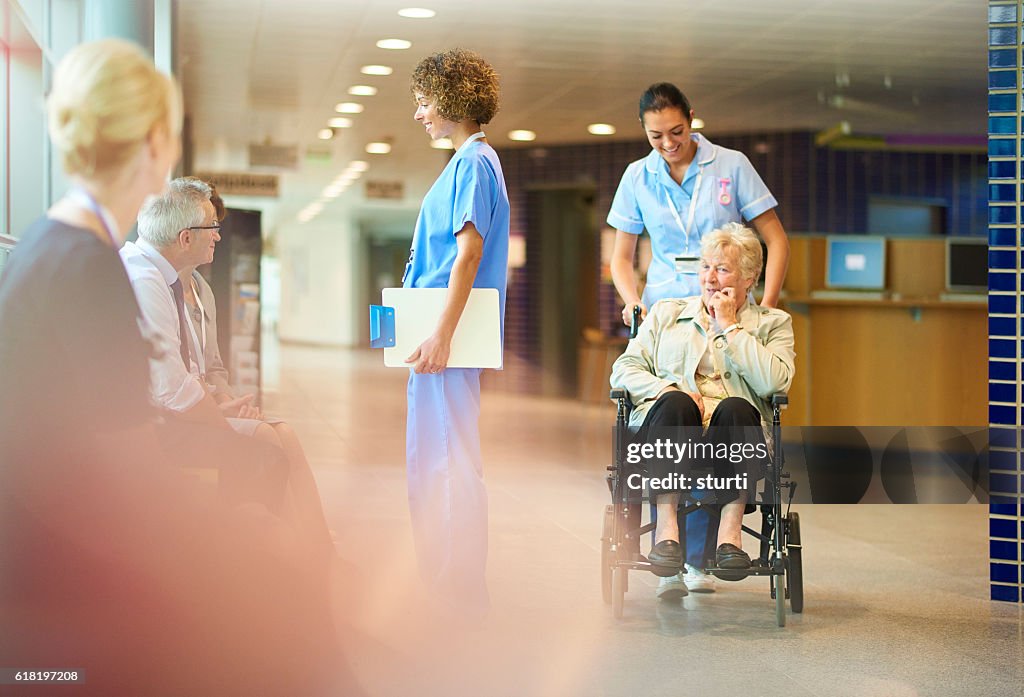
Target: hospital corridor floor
x,y
896,597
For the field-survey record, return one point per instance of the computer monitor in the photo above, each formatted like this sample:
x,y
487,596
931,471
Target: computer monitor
x,y
966,264
855,262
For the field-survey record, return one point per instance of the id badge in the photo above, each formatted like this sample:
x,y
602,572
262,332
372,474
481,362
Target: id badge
x,y
688,265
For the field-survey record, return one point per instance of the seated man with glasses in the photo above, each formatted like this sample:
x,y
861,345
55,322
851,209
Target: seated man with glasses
x,y
179,231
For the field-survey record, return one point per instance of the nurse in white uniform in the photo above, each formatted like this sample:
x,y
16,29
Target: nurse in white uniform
x,y
460,242
685,188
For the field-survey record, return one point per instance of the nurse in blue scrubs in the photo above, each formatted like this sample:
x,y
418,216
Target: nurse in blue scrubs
x,y
460,242
685,188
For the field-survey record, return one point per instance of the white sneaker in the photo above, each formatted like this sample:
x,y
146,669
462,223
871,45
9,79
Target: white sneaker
x,y
671,588
697,581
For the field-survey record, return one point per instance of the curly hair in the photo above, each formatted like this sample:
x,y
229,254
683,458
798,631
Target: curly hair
x,y
463,85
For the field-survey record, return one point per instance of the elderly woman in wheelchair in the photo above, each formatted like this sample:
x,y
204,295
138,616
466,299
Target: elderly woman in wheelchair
x,y
708,365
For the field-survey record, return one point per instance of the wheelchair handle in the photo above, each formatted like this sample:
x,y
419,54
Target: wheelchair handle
x,y
634,325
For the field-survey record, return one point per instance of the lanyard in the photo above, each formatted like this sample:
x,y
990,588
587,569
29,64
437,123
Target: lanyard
x,y
200,355
86,199
693,207
475,136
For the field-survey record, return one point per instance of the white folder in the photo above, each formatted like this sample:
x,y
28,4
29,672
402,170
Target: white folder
x,y
477,339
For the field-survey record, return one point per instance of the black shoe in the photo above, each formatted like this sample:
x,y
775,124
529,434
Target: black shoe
x,y
729,556
667,554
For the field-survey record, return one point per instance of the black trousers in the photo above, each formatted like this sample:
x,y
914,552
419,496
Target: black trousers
x,y
735,422
249,470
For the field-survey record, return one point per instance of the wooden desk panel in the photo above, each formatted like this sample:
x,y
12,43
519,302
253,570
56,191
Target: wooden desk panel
x,y
875,365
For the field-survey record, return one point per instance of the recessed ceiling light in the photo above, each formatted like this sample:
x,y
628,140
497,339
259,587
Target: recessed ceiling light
x,y
339,122
359,165
376,70
416,13
697,124
378,148
601,129
348,108
394,44
442,144
325,134
522,135
362,90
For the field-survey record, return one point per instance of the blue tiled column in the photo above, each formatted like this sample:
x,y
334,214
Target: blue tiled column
x,y
1006,208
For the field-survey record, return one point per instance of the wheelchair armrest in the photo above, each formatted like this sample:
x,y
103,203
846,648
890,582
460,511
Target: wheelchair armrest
x,y
780,399
617,394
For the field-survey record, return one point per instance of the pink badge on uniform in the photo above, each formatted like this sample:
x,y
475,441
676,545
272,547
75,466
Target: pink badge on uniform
x,y
723,186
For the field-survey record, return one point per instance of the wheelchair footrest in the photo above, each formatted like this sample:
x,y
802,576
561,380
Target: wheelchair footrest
x,y
740,574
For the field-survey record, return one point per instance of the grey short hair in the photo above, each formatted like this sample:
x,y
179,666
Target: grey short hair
x,y
180,207
741,238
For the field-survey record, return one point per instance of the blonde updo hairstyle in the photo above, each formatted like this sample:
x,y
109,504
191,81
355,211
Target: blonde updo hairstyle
x,y
750,257
106,99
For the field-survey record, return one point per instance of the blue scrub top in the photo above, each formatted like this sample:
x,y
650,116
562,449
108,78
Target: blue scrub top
x,y
471,188
640,203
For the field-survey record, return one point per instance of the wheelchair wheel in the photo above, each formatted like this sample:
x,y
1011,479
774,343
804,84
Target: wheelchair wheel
x,y
794,570
618,590
607,558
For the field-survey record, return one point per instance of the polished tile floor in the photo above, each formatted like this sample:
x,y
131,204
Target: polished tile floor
x,y
896,596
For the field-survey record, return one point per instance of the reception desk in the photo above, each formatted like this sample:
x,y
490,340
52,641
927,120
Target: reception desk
x,y
889,362
910,359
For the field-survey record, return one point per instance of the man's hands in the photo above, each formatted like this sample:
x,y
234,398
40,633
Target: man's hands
x,y
240,408
432,354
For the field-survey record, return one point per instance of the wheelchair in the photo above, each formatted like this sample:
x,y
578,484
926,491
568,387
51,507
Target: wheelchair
x,y
780,554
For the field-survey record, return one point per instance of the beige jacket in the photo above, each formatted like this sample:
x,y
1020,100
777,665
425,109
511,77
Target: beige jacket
x,y
756,364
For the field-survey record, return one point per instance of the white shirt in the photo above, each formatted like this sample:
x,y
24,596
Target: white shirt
x,y
171,385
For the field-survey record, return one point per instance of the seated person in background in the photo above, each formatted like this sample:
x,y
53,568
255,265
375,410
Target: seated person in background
x,y
178,231
201,315
711,361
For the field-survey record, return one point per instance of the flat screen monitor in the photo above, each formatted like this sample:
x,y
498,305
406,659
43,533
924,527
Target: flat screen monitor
x,y
855,262
966,264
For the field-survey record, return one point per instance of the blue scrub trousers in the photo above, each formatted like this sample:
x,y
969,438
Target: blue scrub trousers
x,y
447,497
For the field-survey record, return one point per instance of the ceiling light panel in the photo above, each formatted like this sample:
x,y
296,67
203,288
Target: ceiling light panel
x,y
416,13
394,44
